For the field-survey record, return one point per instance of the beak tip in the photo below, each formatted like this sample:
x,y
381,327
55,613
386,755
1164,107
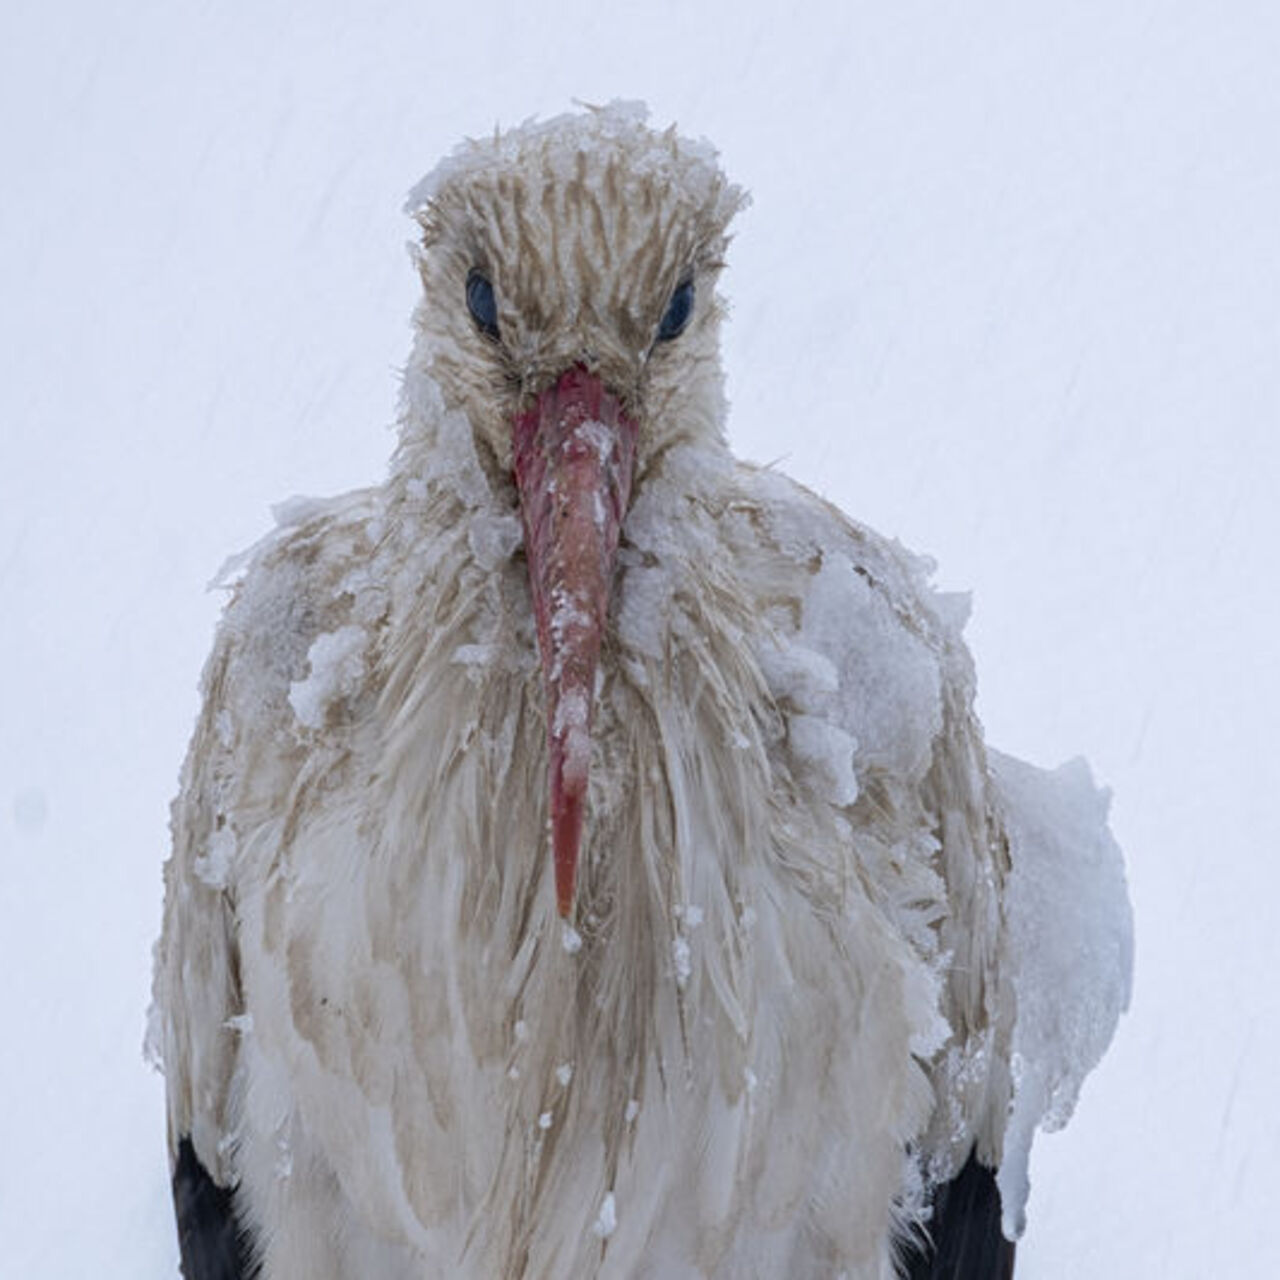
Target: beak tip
x,y
566,838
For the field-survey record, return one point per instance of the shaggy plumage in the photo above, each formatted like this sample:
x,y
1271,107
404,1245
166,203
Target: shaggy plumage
x,y
784,1009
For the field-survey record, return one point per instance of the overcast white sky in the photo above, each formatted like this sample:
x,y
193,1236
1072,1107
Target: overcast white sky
x,y
1010,289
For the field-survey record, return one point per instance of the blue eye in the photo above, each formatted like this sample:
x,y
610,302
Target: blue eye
x,y
482,304
679,309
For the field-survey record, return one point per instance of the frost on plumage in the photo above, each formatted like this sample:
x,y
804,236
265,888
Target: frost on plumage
x,y
1068,950
597,437
572,712
153,1039
690,163
577,752
299,509
368,594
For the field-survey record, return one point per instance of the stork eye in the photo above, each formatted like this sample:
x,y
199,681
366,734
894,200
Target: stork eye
x,y
679,309
482,304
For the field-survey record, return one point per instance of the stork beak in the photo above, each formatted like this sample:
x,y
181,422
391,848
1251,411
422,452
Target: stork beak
x,y
573,455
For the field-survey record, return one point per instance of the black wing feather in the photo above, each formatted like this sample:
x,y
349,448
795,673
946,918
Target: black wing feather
x,y
212,1244
966,1242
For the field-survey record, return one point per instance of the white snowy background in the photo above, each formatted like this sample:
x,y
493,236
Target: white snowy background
x,y
1010,289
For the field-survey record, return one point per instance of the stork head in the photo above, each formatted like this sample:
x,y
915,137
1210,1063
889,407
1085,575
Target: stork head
x,y
569,311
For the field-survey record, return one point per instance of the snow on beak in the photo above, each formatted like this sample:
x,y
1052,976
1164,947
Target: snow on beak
x,y
573,455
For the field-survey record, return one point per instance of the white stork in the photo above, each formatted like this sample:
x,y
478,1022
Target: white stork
x,y
588,862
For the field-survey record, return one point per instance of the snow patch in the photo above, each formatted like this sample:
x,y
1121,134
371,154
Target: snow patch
x,y
828,752
336,660
607,1221
284,1159
474,655
213,866
799,675
1068,951
452,463
681,958
888,675
643,601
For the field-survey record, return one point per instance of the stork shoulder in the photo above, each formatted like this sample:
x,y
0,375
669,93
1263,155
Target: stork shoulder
x,y
864,620
293,640
299,583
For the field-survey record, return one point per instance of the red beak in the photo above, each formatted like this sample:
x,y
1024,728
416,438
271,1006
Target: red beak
x,y
574,456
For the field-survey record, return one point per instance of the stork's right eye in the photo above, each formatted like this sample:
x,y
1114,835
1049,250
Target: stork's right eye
x,y
482,304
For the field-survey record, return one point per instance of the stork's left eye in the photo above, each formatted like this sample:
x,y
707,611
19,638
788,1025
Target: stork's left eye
x,y
679,309
482,304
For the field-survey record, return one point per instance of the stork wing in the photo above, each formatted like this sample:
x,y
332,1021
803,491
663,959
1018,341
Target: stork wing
x,y
210,1239
243,759
966,1242
197,993
1018,899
